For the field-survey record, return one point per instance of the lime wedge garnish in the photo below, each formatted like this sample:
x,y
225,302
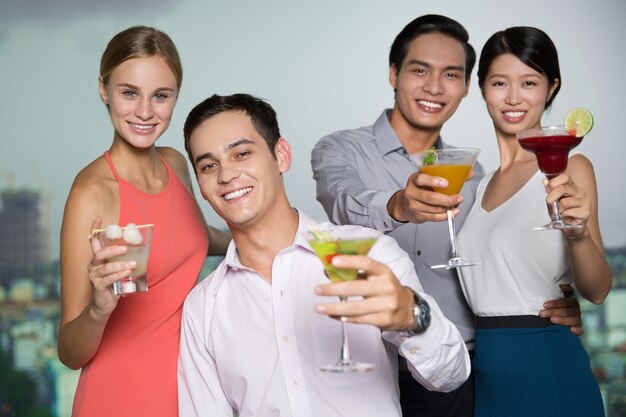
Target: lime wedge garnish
x,y
579,122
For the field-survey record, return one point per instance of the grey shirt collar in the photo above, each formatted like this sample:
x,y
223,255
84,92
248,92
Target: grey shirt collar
x,y
387,139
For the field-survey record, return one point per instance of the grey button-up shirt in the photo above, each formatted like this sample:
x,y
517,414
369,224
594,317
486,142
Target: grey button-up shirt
x,y
357,171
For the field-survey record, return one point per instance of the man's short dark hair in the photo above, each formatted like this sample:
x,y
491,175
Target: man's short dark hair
x,y
261,113
432,23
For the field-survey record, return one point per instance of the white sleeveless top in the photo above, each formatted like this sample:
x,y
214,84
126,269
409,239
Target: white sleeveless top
x,y
521,268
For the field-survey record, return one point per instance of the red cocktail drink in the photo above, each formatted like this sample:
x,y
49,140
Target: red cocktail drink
x,y
552,151
551,146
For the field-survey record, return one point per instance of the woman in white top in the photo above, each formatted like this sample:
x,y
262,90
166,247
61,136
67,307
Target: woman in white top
x,y
524,365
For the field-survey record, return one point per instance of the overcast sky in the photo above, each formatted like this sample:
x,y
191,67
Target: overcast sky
x,y
321,64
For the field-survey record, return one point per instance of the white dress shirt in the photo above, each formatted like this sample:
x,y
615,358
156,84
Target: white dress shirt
x,y
252,347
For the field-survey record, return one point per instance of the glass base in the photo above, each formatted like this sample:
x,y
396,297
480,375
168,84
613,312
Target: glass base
x,y
130,285
347,366
558,225
455,263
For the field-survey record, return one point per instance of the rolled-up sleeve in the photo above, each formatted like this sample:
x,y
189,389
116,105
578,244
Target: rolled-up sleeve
x,y
342,191
437,358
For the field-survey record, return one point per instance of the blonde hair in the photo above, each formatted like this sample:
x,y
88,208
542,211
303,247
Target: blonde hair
x,y
140,42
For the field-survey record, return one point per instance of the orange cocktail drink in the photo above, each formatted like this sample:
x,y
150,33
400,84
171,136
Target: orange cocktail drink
x,y
454,174
454,165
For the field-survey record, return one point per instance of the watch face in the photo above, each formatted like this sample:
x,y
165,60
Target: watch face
x,y
425,315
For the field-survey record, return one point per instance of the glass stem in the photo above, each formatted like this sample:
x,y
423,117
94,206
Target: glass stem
x,y
556,213
454,253
345,344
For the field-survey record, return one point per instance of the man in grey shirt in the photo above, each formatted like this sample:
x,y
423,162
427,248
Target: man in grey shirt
x,y
365,176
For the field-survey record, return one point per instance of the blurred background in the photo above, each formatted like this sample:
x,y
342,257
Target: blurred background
x,y
323,65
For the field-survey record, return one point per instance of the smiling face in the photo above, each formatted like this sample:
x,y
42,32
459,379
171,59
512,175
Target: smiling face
x,y
430,84
515,94
141,94
236,171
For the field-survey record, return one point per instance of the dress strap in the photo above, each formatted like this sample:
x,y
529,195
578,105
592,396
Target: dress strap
x,y
171,175
169,169
110,162
117,176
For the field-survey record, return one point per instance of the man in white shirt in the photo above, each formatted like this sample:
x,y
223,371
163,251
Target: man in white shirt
x,y
255,331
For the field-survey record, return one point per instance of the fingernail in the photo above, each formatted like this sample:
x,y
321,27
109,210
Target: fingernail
x,y
443,184
320,308
131,264
318,290
336,261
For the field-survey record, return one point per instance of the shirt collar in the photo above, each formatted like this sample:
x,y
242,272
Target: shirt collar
x,y
387,139
305,223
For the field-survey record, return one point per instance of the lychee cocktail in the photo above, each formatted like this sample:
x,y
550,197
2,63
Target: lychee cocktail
x,y
137,239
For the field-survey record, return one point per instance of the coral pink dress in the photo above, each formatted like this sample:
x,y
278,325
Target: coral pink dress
x,y
133,373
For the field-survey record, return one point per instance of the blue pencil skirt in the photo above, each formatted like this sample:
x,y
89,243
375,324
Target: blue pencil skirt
x,y
533,372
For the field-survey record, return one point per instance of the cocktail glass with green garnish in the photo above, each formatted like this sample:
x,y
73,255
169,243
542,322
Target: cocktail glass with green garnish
x,y
453,164
327,245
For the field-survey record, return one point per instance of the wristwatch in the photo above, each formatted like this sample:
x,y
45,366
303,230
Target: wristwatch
x,y
421,312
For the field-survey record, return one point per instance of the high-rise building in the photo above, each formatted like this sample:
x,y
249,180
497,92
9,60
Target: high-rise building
x,y
22,237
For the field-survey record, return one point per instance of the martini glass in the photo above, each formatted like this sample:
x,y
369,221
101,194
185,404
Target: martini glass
x,y
327,245
453,164
551,146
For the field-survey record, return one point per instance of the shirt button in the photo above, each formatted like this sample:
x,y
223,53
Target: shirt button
x,y
419,253
266,297
294,384
413,351
281,293
285,338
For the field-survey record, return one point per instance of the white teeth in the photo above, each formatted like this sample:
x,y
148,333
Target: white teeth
x,y
430,104
514,113
237,193
142,127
